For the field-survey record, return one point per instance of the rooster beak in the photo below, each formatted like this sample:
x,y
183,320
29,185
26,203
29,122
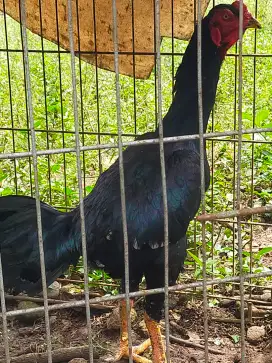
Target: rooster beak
x,y
253,23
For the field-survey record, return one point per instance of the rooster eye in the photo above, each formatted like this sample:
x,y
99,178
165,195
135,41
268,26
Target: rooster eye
x,y
225,16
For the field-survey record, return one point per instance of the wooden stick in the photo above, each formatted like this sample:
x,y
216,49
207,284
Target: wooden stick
x,y
233,298
58,355
188,343
228,320
228,225
53,301
263,307
91,294
179,328
90,282
235,213
234,321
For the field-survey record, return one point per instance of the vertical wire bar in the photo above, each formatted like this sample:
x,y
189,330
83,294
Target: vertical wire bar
x,y
79,178
45,100
81,98
238,194
155,69
61,101
172,47
10,96
134,68
212,192
36,177
163,175
234,163
253,145
26,105
97,89
121,171
195,246
195,224
202,170
4,316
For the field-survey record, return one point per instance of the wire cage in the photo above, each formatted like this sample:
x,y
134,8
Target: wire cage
x,y
64,121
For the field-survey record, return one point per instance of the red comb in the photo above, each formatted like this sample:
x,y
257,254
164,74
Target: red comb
x,y
236,4
246,13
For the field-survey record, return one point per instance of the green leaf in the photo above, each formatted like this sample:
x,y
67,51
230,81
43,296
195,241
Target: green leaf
x,y
3,176
261,116
246,116
89,188
69,191
247,136
246,253
7,191
55,167
37,124
263,251
197,260
235,338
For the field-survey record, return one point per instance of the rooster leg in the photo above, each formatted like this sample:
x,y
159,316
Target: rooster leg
x,y
124,351
154,330
154,304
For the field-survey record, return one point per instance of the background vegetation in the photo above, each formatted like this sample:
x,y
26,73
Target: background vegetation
x,y
52,102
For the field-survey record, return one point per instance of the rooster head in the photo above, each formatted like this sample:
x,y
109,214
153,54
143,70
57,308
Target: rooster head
x,y
224,24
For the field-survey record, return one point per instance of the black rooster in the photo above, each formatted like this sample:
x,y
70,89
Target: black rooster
x,y
61,231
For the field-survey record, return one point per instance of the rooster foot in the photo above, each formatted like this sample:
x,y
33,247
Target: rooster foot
x,y
136,351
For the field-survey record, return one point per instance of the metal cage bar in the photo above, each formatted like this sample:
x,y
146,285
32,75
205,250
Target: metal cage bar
x,y
202,174
133,143
236,140
79,178
36,180
163,175
238,181
4,314
179,287
122,174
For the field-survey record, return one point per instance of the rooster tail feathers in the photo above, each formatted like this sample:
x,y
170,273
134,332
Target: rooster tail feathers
x,y
19,244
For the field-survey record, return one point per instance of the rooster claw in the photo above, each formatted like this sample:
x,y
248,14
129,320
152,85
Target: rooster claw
x,y
124,353
135,357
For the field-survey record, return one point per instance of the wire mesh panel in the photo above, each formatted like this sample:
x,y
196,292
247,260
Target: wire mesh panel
x,y
63,122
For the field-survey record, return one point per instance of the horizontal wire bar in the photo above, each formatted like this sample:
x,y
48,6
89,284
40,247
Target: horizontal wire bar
x,y
268,142
48,131
160,290
132,143
102,133
89,52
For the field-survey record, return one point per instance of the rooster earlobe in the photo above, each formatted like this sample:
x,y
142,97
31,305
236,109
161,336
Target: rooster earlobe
x,y
216,36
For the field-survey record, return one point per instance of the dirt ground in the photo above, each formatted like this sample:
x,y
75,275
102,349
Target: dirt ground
x,y
68,328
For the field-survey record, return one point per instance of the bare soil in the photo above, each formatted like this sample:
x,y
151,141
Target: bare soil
x,y
68,329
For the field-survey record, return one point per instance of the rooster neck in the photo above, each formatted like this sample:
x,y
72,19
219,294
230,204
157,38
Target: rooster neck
x,y
183,115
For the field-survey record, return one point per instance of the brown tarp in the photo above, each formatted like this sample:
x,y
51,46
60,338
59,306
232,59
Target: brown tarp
x,y
95,32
